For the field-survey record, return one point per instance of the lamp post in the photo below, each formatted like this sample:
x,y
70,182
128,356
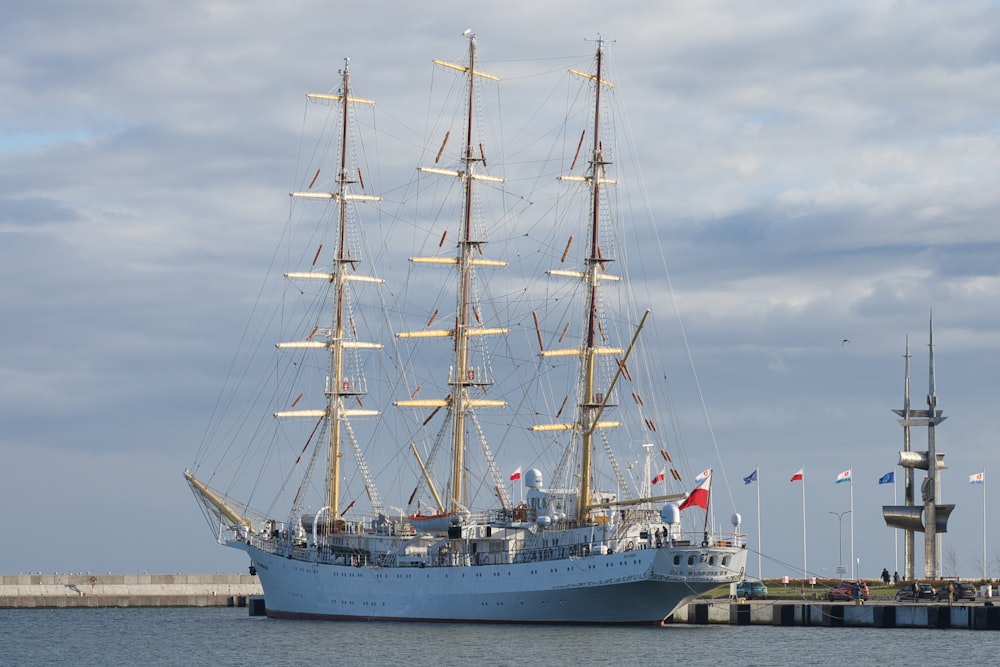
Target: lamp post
x,y
840,540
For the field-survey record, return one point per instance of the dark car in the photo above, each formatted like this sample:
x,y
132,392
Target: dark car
x,y
848,590
962,590
916,592
751,590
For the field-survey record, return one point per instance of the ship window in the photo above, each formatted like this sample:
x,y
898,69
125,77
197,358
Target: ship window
x,y
725,560
677,560
711,561
690,560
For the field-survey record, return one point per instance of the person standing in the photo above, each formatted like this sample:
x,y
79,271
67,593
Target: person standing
x,y
885,576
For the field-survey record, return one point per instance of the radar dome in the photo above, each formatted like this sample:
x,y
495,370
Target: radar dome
x,y
533,478
670,513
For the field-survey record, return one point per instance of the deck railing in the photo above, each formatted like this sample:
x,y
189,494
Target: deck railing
x,y
455,553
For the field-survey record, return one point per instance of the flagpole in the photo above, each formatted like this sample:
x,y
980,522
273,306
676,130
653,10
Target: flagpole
x,y
516,476
895,533
853,572
711,507
760,573
709,503
984,524
804,561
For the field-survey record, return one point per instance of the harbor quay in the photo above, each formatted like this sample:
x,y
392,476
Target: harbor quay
x,y
973,616
127,590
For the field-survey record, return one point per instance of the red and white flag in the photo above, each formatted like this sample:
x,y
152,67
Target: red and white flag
x,y
798,477
516,474
661,476
702,476
698,497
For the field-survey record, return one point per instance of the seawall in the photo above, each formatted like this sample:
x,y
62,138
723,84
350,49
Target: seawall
x,y
127,590
976,616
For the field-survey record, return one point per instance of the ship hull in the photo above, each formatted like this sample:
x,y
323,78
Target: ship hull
x,y
640,587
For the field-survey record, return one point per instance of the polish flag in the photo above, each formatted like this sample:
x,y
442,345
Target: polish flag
x,y
698,497
660,477
798,477
516,474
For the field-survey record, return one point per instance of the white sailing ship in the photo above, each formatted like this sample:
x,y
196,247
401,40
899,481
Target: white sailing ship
x,y
590,547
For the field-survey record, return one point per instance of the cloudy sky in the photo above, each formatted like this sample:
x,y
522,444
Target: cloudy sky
x,y
818,171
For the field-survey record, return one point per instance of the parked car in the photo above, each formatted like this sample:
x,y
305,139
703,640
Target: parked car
x,y
751,590
916,591
848,590
963,590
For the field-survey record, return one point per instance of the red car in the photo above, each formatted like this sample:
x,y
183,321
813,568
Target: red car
x,y
848,590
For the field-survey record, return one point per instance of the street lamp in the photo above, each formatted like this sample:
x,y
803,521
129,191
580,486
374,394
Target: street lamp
x,y
840,540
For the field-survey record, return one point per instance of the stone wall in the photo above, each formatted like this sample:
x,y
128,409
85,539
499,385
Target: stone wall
x,y
126,590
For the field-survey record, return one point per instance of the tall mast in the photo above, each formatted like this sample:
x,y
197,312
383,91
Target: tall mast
x,y
333,394
339,385
464,373
461,380
590,403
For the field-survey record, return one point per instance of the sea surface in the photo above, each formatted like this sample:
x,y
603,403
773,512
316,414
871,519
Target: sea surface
x,y
220,636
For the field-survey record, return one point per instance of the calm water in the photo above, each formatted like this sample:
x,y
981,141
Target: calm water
x,y
220,636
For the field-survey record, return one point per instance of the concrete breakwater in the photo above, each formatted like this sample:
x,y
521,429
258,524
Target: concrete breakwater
x,y
833,614
126,590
